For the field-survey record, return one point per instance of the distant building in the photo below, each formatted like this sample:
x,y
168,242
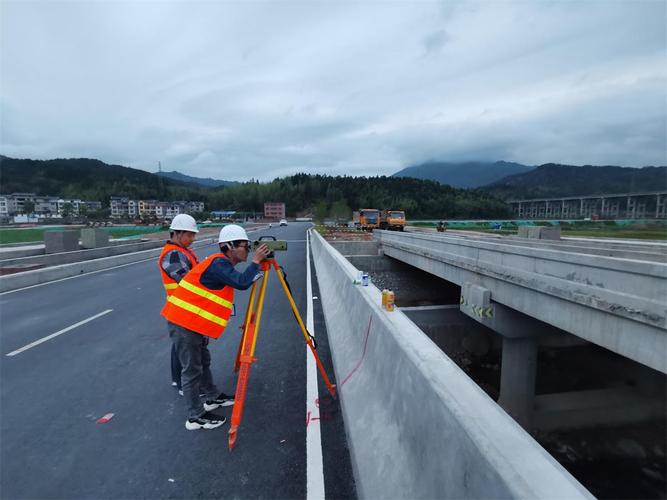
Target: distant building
x,y
190,207
223,214
74,206
274,210
92,205
46,206
4,208
167,210
132,208
123,207
16,202
118,206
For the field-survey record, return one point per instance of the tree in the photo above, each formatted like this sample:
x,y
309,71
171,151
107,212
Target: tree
x,y
340,211
201,216
68,209
321,211
101,214
28,207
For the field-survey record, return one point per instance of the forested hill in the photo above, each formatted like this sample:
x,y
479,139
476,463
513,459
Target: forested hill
x,y
324,195
338,196
553,180
90,180
202,181
467,174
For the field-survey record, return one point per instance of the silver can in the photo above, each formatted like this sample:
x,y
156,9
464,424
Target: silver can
x,y
365,279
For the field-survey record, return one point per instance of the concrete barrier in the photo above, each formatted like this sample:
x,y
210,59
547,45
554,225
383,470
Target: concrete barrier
x,y
61,241
418,427
540,232
56,259
21,251
94,237
36,277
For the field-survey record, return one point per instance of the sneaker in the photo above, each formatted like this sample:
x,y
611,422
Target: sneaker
x,y
174,384
206,421
222,400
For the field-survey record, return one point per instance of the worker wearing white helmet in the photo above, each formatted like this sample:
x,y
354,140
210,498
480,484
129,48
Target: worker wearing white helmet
x,y
175,261
199,309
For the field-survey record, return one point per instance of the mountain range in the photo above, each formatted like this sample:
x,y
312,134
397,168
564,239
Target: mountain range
x,y
91,179
553,180
201,181
464,175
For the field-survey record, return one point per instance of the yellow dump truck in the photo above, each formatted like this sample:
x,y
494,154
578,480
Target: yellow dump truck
x,y
366,218
393,220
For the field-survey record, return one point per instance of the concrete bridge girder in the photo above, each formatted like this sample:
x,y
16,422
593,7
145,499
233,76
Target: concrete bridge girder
x,y
614,303
521,337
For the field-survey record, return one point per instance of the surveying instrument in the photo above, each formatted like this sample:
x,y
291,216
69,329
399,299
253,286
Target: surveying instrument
x,y
251,323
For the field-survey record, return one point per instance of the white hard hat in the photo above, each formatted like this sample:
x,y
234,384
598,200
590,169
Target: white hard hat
x,y
184,222
232,232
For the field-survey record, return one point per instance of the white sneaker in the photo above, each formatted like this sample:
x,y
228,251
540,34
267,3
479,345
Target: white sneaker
x,y
206,421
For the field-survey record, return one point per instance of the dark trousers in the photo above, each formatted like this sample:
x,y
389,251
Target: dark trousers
x,y
196,378
176,367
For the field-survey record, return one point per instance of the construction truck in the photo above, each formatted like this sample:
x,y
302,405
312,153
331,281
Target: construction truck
x,y
393,220
366,219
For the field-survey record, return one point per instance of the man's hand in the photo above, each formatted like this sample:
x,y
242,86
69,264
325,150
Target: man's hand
x,y
260,254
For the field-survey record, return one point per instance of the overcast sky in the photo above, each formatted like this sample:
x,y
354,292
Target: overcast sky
x,y
250,89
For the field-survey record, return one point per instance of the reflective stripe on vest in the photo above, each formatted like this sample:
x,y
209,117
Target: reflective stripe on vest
x,y
203,293
198,308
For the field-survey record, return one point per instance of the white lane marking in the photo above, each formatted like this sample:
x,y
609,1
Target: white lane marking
x,y
314,461
60,332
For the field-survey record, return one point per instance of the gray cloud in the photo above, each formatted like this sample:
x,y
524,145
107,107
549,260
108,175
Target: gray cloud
x,y
241,90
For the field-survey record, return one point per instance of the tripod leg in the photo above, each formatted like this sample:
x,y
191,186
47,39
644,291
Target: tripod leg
x,y
330,387
248,314
245,360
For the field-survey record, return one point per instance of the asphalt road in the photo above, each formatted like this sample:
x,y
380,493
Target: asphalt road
x,y
52,395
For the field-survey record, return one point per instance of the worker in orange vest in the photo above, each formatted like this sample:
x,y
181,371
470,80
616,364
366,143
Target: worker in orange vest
x,y
199,309
175,261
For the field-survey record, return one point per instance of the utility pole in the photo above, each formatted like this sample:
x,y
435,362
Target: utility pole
x,y
160,180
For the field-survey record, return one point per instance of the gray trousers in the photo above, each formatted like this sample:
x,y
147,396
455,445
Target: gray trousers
x,y
196,378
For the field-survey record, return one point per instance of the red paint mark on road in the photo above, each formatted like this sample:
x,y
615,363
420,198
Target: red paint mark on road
x,y
310,418
105,418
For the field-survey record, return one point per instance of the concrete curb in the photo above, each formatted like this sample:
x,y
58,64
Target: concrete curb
x,y
39,276
56,259
418,427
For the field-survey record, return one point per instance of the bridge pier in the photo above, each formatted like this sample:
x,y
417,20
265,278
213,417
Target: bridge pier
x,y
616,403
517,379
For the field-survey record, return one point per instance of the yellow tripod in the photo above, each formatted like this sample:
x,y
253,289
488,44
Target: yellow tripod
x,y
251,323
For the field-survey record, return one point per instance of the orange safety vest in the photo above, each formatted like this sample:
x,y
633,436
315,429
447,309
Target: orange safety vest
x,y
170,284
197,308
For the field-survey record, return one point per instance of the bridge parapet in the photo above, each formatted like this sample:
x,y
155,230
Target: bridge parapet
x,y
418,426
